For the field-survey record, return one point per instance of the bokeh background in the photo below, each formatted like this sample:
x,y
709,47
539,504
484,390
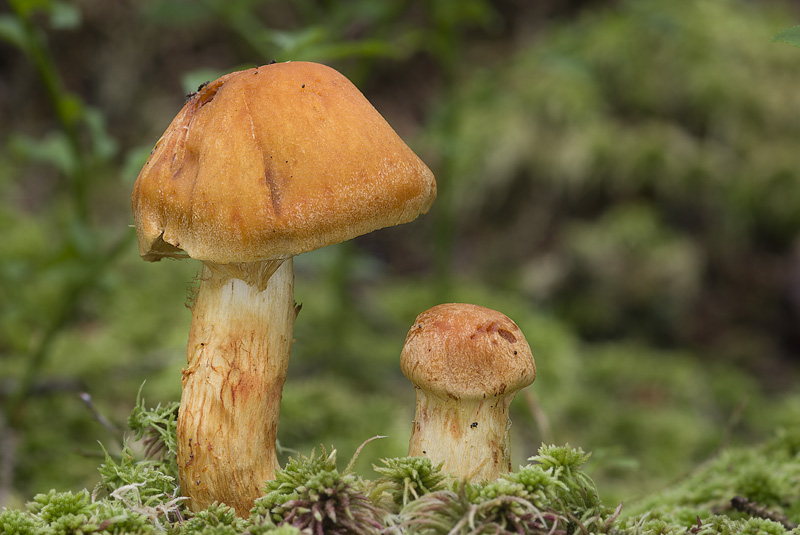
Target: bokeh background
x,y
621,178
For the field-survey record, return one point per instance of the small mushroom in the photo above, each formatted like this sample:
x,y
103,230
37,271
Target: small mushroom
x,y
467,363
260,165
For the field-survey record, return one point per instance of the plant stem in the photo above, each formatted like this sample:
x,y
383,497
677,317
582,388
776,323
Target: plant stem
x,y
66,106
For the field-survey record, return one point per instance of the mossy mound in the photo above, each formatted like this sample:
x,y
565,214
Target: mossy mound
x,y
743,490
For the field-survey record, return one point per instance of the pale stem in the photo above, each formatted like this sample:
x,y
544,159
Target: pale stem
x,y
237,357
470,436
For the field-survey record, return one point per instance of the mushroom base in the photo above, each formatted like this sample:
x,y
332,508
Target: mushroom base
x,y
468,436
237,356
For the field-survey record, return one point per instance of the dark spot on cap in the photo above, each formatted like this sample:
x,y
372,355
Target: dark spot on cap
x,y
510,338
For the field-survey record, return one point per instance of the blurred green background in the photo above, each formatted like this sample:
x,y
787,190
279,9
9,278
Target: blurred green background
x,y
621,178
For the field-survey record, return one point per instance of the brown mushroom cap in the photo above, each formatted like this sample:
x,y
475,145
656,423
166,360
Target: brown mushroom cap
x,y
272,162
466,351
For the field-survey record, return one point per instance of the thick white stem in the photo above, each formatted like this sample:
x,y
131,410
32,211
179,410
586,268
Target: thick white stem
x,y
237,357
469,436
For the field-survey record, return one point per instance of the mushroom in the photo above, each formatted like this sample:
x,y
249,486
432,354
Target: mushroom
x,y
260,165
467,363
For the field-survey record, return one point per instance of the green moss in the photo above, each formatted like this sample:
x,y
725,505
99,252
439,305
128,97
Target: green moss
x,y
55,505
311,494
115,517
157,428
143,478
407,478
217,519
758,483
743,491
15,522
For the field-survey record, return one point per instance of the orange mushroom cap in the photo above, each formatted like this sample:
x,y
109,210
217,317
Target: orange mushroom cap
x,y
466,351
271,162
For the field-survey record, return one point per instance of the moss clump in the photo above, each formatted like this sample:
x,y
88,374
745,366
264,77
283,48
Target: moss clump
x,y
743,489
552,494
405,479
14,522
218,519
157,429
68,513
312,495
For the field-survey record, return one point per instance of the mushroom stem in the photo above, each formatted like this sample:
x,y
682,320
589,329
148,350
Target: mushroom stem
x,y
469,436
237,356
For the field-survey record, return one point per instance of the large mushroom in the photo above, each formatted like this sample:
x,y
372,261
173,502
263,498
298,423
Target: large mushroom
x,y
467,363
260,165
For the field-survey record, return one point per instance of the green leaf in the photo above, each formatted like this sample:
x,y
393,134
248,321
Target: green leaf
x,y
104,146
27,7
789,35
65,16
11,31
70,107
53,149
